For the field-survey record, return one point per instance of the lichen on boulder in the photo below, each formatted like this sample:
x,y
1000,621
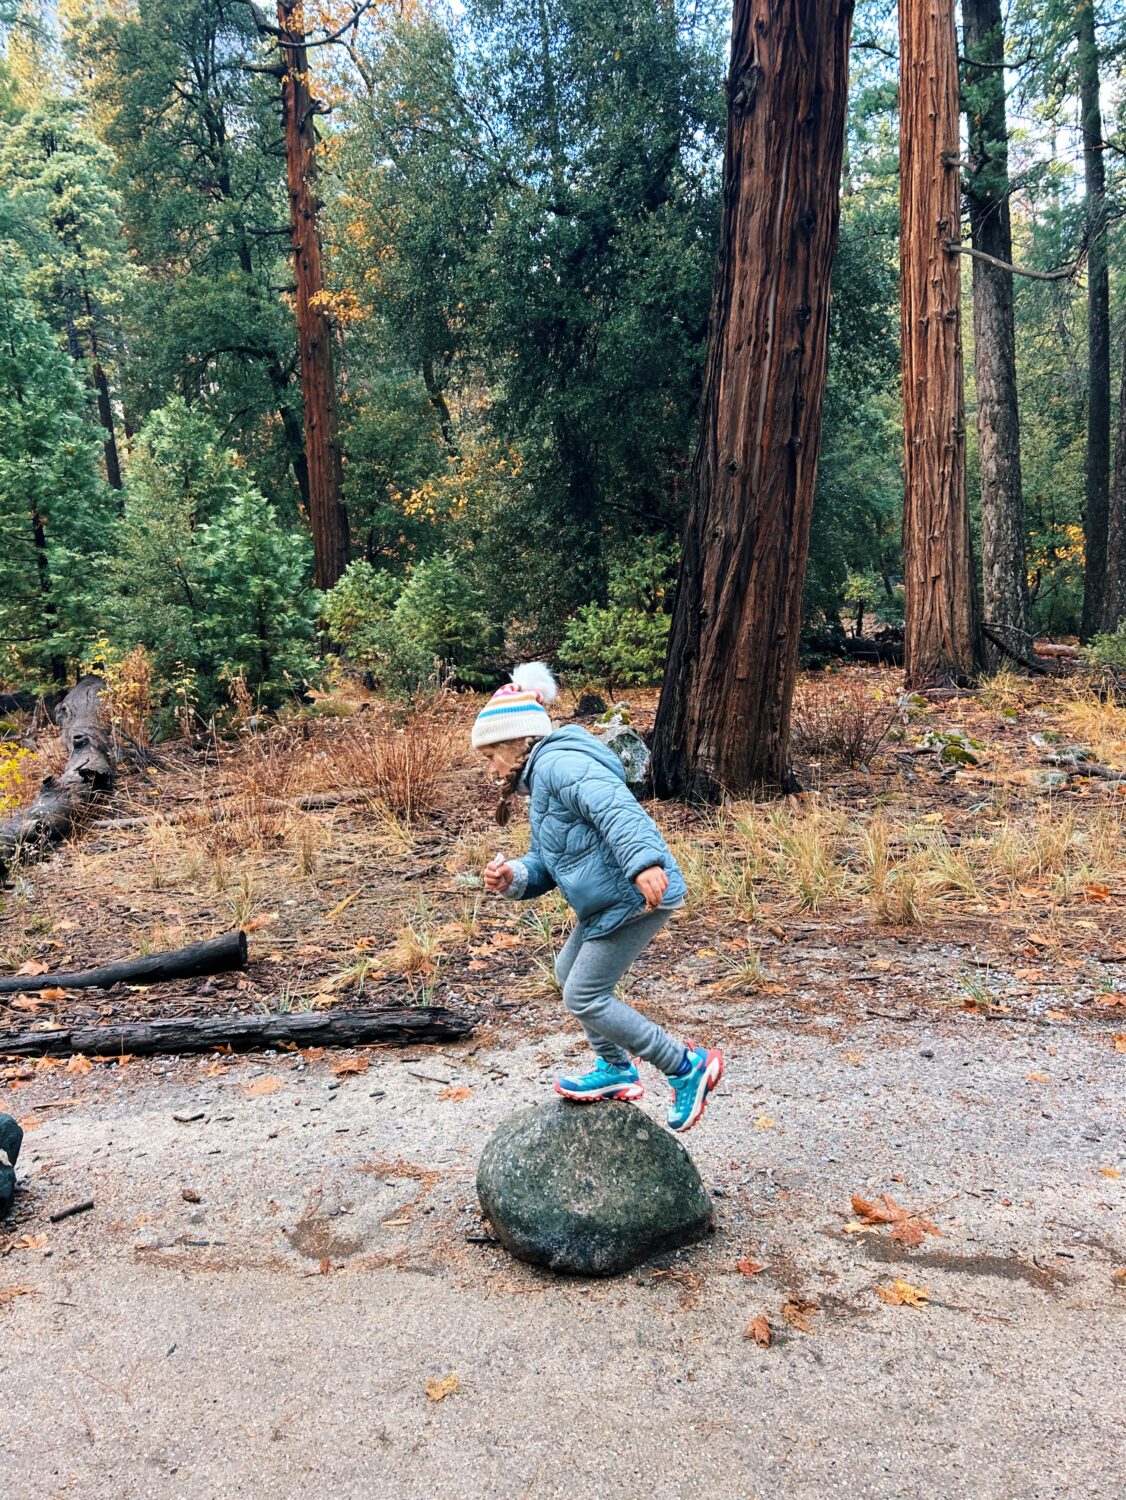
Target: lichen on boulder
x,y
590,1188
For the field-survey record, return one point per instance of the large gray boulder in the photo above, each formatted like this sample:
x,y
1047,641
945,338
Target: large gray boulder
x,y
590,1188
11,1138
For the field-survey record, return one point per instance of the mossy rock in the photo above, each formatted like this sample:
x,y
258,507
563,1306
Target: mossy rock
x,y
592,1189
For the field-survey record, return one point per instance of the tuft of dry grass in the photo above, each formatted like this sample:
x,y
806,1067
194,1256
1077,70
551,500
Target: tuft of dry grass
x,y
1096,720
805,843
401,767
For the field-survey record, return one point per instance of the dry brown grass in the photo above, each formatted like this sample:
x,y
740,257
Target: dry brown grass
x,y
403,767
842,718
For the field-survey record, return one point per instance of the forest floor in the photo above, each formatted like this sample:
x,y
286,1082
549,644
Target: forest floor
x,y
917,974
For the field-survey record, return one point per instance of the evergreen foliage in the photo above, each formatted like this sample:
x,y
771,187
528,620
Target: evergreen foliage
x,y
520,206
55,511
206,578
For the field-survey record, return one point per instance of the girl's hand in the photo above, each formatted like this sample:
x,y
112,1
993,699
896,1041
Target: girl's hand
x,y
652,883
497,875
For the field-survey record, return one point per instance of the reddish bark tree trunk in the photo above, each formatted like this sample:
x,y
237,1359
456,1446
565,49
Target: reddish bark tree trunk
x,y
723,722
327,516
941,628
1114,608
1095,519
1004,562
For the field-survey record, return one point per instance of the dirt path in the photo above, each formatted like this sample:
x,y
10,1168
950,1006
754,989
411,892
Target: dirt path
x,y
276,1337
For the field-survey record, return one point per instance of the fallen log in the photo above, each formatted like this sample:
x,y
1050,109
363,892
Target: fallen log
x,y
342,1028
215,956
991,633
64,802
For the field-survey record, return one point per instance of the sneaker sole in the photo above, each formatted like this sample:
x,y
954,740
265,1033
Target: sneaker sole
x,y
628,1094
712,1074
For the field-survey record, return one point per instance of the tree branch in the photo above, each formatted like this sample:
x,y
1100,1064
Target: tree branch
x,y
1063,274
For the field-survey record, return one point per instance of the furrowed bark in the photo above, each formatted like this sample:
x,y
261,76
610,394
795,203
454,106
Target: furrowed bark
x,y
942,638
723,722
388,1023
1095,520
1114,595
327,516
1004,564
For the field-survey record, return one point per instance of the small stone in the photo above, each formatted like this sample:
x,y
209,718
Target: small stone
x,y
925,1052
591,1189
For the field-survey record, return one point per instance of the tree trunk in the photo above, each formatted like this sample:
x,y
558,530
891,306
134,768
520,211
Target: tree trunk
x,y
1004,561
346,1028
65,801
723,722
101,391
215,955
1098,324
1114,607
941,632
328,519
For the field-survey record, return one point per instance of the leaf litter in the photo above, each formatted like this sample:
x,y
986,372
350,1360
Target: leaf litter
x,y
908,1227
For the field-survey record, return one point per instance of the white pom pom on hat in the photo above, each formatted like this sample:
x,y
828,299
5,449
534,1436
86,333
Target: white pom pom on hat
x,y
535,677
517,711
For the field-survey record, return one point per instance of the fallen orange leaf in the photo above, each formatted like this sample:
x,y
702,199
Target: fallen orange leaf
x,y
759,1330
458,1091
32,968
903,1294
907,1228
748,1267
438,1390
1120,1041
1037,1078
764,1122
351,1065
9,1292
1096,892
1112,1172
79,1064
268,1085
799,1313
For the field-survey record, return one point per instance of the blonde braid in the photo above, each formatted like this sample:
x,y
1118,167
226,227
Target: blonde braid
x,y
509,785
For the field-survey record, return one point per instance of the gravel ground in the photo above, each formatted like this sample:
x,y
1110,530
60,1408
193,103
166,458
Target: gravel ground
x,y
275,1338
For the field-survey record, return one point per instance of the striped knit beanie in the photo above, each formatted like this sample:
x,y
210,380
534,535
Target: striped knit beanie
x,y
517,710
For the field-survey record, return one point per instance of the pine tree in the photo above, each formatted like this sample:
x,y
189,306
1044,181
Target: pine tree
x,y
57,177
205,576
55,511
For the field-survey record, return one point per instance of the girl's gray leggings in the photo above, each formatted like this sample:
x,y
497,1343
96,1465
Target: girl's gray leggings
x,y
589,969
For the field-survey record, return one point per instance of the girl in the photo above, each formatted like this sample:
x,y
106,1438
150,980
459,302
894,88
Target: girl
x,y
591,837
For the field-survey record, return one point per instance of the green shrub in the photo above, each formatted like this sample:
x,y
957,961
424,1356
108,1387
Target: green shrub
x,y
1107,650
624,641
406,631
205,577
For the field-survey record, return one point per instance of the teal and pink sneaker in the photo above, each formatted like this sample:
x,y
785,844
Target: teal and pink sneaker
x,y
604,1081
691,1088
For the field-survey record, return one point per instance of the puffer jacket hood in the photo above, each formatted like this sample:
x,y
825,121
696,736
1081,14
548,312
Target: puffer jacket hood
x,y
590,835
571,737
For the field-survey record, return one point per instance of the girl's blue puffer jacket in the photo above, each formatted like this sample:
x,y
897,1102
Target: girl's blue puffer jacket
x,y
590,835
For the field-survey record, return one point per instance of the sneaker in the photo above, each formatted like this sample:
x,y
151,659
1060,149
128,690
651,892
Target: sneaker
x,y
690,1090
604,1081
